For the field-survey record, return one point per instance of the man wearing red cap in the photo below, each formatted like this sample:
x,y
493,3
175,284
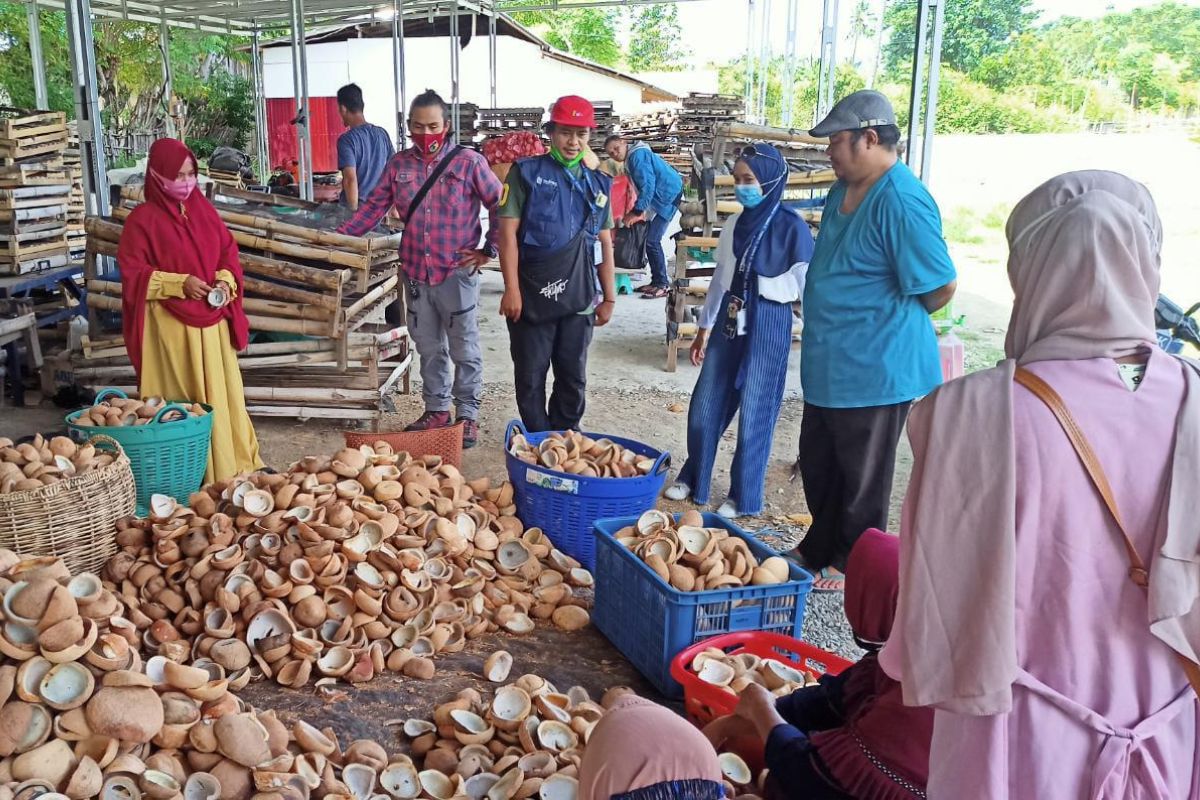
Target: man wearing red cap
x,y
553,210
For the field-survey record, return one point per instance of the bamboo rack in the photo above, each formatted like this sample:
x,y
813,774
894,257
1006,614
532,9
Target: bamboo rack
x,y
326,292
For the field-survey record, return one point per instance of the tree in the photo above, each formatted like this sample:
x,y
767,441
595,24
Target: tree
x,y
973,30
862,22
589,33
656,40
16,65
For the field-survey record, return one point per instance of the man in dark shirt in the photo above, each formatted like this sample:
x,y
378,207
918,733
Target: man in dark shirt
x,y
363,151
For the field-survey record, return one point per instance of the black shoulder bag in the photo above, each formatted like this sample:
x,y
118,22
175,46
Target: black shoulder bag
x,y
430,181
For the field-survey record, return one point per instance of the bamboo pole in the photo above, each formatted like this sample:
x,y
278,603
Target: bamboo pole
x,y
282,248
283,395
699,241
747,131
370,297
728,207
103,237
819,177
250,304
304,327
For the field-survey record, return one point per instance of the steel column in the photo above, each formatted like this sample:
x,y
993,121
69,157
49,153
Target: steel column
x,y
827,80
300,86
398,72
764,61
82,49
492,54
789,63
931,96
260,111
41,97
912,153
455,47
164,46
751,60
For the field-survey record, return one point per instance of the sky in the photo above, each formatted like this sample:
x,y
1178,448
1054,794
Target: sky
x,y
715,30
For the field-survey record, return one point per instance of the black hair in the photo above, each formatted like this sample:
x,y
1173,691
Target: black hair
x,y
350,98
428,99
614,137
889,135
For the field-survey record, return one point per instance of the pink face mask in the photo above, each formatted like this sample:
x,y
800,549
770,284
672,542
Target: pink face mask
x,y
177,190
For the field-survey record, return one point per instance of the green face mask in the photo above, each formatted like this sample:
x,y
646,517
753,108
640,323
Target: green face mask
x,y
560,158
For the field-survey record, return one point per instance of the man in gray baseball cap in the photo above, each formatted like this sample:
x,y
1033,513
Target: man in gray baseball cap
x,y
865,108
879,269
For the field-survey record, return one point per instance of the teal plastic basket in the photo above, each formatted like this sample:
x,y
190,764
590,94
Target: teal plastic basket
x,y
168,457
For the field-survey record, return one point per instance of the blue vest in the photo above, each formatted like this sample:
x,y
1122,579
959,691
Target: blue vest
x,y
558,205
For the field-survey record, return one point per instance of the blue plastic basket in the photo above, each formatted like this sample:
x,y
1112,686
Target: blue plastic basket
x,y
566,506
650,621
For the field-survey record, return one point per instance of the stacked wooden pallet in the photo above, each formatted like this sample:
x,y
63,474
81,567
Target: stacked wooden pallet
x,y
76,209
499,121
35,191
315,301
606,123
702,112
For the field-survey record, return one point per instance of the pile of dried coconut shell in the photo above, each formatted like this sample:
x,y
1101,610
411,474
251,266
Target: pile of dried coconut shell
x,y
342,567
734,673
118,412
43,462
693,558
579,454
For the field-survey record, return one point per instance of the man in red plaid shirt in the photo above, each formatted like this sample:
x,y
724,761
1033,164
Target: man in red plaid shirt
x,y
440,258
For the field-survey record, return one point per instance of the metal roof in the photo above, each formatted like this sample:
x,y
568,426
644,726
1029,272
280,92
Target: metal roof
x,y
244,16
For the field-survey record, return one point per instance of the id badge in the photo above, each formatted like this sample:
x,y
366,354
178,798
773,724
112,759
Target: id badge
x,y
735,318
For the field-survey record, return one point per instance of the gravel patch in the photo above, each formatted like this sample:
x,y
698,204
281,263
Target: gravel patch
x,y
825,624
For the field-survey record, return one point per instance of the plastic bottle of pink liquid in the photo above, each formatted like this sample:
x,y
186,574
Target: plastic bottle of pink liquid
x,y
953,356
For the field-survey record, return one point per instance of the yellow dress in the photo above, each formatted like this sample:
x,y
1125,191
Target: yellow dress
x,y
180,362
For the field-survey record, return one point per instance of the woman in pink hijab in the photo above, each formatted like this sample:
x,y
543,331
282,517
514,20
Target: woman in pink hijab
x,y
850,737
1053,674
642,751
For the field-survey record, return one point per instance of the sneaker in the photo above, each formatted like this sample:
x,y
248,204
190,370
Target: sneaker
x,y
430,420
678,491
728,511
470,432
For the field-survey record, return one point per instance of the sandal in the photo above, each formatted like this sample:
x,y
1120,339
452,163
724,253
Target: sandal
x,y
645,287
656,292
829,581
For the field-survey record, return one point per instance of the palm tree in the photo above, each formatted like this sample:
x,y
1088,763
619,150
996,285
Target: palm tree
x,y
861,22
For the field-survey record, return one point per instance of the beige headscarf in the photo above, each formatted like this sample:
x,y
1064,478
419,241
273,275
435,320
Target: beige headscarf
x,y
639,744
1084,266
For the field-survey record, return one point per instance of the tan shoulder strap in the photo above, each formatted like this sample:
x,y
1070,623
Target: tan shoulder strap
x,y
1137,567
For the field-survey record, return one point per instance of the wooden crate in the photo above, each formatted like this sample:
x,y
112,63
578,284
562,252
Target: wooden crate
x,y
20,123
32,148
33,174
27,197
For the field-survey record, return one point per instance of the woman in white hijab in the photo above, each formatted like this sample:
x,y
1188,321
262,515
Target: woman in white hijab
x,y
1055,675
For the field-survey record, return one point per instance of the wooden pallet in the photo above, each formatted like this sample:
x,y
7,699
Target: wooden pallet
x,y
33,174
13,220
33,147
34,196
17,123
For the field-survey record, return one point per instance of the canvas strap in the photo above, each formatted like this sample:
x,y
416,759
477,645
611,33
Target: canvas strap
x,y
1137,567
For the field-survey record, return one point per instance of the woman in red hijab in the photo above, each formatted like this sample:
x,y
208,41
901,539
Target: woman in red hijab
x,y
851,737
182,305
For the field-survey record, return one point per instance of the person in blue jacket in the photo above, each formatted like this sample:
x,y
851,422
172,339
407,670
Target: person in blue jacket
x,y
660,189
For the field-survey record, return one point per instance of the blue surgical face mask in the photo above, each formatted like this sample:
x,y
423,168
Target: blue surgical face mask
x,y
749,196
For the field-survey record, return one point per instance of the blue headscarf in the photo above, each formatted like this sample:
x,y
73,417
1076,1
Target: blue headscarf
x,y
787,241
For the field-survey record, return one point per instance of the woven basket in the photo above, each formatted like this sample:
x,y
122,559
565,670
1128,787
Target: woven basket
x,y
76,518
444,442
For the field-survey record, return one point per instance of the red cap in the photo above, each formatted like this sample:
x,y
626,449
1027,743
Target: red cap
x,y
574,111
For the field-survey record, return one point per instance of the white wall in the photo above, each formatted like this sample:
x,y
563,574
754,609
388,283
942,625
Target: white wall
x,y
525,77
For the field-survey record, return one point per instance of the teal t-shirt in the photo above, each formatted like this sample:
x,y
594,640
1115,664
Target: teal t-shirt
x,y
868,340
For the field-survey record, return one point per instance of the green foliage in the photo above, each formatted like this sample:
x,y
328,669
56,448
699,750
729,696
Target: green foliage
x,y
656,39
974,29
129,67
732,80
16,66
589,33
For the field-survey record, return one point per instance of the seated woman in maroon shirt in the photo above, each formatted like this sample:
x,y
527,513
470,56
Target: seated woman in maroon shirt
x,y
851,736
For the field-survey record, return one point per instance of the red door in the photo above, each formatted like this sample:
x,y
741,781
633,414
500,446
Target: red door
x,y
325,124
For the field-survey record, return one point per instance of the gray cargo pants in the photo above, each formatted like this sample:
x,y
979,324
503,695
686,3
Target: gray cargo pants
x,y
443,321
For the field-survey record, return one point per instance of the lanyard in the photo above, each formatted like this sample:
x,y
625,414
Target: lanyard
x,y
752,249
582,187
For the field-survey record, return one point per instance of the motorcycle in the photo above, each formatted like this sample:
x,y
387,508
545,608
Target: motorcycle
x,y
1178,330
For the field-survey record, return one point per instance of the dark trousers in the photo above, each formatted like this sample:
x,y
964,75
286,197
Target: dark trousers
x,y
847,461
654,249
563,345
